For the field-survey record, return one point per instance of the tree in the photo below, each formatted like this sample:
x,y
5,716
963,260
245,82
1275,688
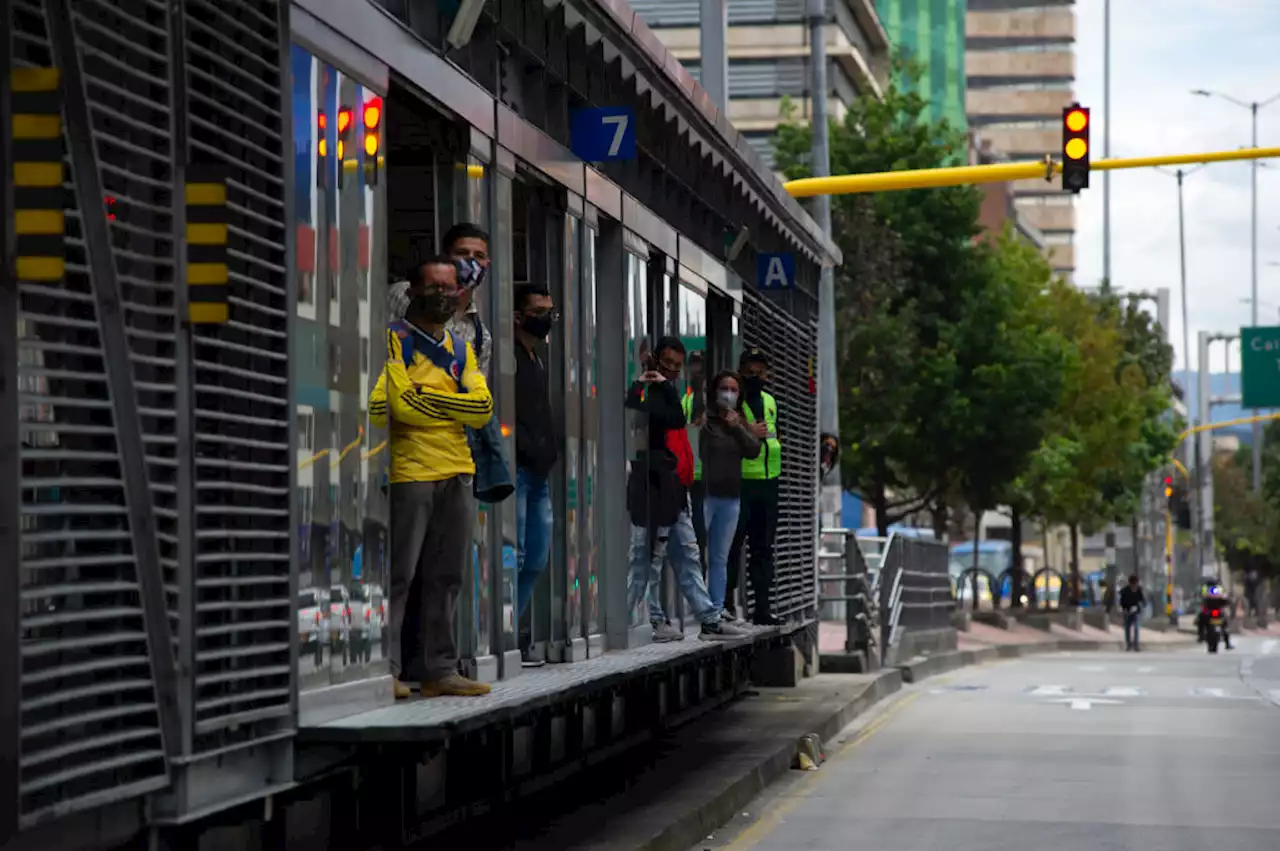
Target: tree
x,y
907,274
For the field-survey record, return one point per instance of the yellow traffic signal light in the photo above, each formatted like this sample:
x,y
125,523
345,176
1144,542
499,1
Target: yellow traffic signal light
x,y
1075,148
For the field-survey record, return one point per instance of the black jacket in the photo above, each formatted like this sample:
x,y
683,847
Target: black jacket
x,y
1131,597
722,449
537,433
655,496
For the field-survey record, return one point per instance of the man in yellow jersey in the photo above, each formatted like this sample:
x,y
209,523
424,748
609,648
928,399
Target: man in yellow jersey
x,y
430,390
758,521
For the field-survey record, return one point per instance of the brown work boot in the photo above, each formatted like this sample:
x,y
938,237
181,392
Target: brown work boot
x,y
400,689
454,685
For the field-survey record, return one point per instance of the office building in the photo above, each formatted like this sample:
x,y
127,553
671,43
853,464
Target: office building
x,y
931,33
768,47
1020,67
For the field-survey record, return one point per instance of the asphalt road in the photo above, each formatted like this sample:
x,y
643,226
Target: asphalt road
x,y
1158,751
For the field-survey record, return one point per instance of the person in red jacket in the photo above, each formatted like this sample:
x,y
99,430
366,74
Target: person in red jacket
x,y
658,501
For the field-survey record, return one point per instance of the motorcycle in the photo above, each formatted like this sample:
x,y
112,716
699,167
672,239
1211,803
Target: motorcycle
x,y
1215,624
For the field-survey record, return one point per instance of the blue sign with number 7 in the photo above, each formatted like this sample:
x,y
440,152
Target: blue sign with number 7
x,y
603,133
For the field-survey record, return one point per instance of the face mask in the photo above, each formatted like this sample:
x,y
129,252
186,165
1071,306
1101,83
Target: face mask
x,y
433,307
536,326
728,400
470,273
754,385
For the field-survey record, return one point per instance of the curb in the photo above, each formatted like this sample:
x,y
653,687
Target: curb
x,y
690,828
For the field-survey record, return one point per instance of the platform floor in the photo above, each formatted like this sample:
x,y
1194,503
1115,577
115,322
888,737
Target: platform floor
x,y
418,719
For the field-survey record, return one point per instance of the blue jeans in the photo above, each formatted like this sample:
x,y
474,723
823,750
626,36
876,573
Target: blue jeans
x,y
722,523
533,533
1131,628
645,578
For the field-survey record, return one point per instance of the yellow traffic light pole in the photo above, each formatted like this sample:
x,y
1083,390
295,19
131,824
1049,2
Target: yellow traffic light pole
x,y
928,178
1224,424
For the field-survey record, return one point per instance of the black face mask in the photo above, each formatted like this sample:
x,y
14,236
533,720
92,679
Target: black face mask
x,y
432,307
536,326
753,384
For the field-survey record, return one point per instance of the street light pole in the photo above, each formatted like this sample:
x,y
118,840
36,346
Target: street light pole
x,y
1106,140
1253,107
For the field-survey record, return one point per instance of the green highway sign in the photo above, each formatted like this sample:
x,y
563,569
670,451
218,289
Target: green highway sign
x,y
1260,367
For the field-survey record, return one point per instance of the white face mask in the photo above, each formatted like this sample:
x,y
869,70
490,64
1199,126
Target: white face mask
x,y
728,399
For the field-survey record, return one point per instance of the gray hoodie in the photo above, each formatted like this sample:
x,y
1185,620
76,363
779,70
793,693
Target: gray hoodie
x,y
722,450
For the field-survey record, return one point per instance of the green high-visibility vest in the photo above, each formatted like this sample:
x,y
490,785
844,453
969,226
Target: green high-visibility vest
x,y
686,405
768,464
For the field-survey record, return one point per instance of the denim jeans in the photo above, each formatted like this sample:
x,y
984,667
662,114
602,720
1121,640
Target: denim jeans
x,y
722,523
533,533
645,578
1131,628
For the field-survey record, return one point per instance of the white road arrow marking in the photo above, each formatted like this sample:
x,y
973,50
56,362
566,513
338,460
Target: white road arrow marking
x,y
1268,646
1122,691
1209,692
1093,669
1275,696
1145,670
1086,703
1049,691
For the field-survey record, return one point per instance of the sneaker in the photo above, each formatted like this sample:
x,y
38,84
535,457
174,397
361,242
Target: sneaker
x,y
401,691
665,632
723,631
529,660
454,685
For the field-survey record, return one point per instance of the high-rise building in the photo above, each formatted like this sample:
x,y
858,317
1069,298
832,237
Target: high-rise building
x,y
932,34
1020,66
768,47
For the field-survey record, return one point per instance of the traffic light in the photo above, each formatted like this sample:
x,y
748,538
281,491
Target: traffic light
x,y
1075,148
372,138
1168,489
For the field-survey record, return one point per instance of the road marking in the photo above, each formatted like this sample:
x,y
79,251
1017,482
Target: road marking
x,y
1086,703
1049,691
1122,691
1093,669
1268,646
952,689
1145,670
752,836
1275,696
1209,692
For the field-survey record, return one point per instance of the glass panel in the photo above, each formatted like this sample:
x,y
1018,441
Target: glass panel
x,y
569,331
504,368
638,350
691,327
589,555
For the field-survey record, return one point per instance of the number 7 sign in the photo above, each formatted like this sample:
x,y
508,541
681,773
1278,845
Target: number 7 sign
x,y
598,134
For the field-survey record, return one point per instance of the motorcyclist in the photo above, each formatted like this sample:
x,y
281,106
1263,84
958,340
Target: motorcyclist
x,y
1214,597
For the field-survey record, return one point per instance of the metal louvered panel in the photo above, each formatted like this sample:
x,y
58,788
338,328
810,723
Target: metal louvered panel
x,y
795,547
763,78
89,726
685,13
243,610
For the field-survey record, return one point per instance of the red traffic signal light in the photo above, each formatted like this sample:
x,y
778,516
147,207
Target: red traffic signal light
x,y
1075,148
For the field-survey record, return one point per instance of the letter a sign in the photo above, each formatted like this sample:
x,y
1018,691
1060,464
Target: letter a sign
x,y
776,271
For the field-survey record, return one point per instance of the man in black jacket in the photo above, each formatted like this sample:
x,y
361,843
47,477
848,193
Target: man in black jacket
x,y
658,501
1132,602
537,443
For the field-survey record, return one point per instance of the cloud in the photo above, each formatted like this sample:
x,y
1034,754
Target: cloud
x,y
1160,51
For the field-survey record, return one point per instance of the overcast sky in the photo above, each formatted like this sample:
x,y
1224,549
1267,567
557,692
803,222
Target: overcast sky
x,y
1160,50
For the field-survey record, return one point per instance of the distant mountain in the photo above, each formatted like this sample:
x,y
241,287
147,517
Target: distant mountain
x,y
1220,384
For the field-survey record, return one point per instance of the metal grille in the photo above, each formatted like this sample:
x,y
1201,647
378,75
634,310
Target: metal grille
x,y
89,720
685,13
792,348
243,610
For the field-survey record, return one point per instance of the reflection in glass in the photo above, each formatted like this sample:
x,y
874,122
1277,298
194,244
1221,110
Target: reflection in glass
x,y
573,430
639,348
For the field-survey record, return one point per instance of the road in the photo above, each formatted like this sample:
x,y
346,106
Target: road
x,y
1158,751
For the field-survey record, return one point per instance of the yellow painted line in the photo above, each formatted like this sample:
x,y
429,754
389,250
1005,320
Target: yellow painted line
x,y
41,268
34,79
772,820
206,194
39,223
31,126
207,313
206,234
38,175
206,273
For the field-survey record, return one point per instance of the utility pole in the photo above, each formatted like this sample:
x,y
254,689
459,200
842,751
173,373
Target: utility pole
x,y
1106,140
1189,447
1253,271
1204,461
828,411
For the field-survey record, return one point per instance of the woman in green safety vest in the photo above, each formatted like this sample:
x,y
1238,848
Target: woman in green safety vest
x,y
758,521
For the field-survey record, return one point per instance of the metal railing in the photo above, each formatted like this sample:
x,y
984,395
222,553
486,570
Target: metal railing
x,y
886,586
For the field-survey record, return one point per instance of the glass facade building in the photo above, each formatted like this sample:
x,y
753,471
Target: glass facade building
x,y
932,33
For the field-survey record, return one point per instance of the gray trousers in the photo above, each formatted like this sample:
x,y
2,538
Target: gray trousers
x,y
431,531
